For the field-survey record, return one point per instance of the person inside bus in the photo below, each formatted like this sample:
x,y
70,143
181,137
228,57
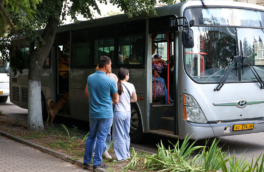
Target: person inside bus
x,y
160,79
120,59
158,66
154,47
122,115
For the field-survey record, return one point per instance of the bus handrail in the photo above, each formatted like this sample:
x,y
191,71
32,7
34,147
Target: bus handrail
x,y
201,53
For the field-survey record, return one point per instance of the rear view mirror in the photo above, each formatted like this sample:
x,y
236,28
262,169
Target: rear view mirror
x,y
191,23
187,38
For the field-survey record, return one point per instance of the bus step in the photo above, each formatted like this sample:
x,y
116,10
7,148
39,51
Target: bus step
x,y
168,118
166,133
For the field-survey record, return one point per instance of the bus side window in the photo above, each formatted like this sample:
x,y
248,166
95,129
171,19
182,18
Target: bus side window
x,y
105,47
131,50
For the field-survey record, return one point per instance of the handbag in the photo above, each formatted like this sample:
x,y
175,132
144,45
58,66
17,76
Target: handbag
x,y
159,89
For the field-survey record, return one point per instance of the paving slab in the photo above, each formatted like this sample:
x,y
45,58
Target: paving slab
x,y
16,157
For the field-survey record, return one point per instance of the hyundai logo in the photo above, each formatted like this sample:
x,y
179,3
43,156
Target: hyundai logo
x,y
241,103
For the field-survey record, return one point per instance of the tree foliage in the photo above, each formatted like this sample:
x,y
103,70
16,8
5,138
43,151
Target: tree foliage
x,y
7,27
15,6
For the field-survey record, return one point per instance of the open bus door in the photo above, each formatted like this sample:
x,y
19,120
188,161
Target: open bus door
x,y
62,55
163,117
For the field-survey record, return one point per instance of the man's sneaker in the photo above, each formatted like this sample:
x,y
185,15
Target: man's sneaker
x,y
100,166
85,165
106,155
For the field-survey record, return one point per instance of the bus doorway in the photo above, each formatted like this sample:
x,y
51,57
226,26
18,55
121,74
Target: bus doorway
x,y
62,74
163,116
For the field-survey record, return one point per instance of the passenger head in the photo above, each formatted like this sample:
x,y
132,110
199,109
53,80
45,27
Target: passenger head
x,y
123,75
105,64
121,59
157,56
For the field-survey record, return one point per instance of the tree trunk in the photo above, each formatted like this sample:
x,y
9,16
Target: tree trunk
x,y
37,58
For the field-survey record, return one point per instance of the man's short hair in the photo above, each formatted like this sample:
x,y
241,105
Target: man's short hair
x,y
104,60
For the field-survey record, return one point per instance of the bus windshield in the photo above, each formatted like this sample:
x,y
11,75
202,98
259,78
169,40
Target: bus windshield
x,y
4,67
214,49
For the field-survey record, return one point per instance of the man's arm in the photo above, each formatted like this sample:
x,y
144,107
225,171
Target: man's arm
x,y
161,60
115,98
86,91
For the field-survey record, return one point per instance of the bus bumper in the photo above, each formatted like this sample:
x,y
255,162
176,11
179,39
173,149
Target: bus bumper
x,y
4,92
202,131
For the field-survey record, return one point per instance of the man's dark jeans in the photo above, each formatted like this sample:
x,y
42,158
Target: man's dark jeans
x,y
99,128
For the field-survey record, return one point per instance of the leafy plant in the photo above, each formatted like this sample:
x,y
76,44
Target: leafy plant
x,y
177,159
134,161
209,160
66,129
75,129
85,137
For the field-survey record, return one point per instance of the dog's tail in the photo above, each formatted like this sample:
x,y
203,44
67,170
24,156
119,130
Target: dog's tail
x,y
50,101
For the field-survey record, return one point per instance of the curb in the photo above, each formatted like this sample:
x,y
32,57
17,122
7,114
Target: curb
x,y
51,152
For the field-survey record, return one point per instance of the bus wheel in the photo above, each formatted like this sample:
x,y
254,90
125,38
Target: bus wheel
x,y
43,106
3,99
136,132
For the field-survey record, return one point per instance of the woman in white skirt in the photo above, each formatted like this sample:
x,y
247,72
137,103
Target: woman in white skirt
x,y
122,115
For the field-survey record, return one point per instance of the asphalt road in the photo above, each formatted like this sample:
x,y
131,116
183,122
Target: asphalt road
x,y
251,144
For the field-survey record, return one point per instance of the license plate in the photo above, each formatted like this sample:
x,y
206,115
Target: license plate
x,y
243,127
1,92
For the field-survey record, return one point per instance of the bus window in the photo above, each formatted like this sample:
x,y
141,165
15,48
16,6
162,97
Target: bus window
x,y
25,56
4,67
253,48
81,48
213,51
80,54
131,50
105,47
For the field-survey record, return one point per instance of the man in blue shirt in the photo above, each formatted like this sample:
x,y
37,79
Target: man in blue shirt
x,y
101,91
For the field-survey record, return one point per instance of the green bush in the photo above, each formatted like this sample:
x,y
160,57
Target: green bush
x,y
182,158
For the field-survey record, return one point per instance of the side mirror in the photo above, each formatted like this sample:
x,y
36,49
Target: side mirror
x,y
191,23
187,38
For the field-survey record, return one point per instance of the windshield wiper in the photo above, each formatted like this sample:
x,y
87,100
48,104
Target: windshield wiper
x,y
255,73
226,74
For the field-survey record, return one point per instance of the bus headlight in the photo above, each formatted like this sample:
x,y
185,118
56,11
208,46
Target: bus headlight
x,y
192,111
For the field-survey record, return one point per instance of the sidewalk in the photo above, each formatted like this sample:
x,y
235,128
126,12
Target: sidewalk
x,y
16,157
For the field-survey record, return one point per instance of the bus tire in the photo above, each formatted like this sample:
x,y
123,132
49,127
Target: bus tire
x,y
43,106
3,99
136,132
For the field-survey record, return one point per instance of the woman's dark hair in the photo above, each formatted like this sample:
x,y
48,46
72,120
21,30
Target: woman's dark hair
x,y
104,60
122,73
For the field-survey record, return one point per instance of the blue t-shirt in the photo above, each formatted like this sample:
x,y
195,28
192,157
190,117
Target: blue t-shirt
x,y
100,101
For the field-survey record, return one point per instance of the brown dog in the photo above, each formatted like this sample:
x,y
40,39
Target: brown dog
x,y
62,103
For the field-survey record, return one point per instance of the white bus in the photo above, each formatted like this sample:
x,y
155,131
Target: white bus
x,y
215,73
4,81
